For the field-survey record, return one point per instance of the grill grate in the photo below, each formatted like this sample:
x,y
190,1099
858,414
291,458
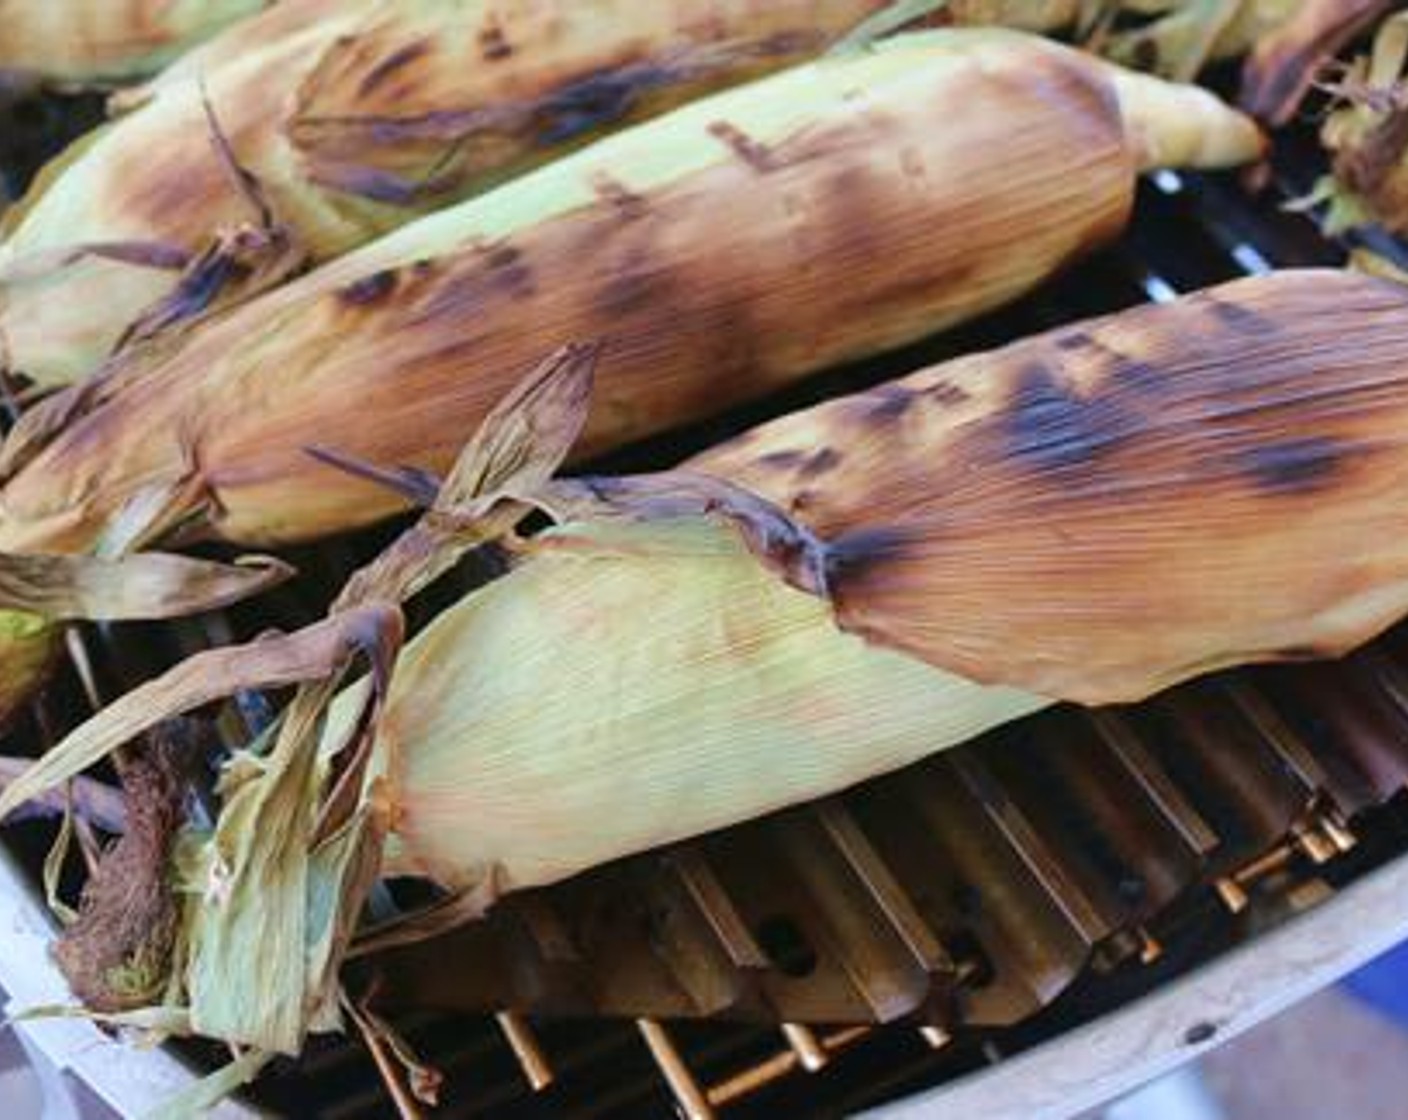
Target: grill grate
x,y
974,904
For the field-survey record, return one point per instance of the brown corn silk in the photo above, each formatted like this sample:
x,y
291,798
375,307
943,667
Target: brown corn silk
x,y
356,117
861,214
107,40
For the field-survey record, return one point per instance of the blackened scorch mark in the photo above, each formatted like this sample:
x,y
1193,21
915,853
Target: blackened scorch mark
x,y
1293,466
625,201
780,460
752,152
493,44
1236,316
1072,340
598,99
820,462
946,392
389,65
369,289
509,270
1049,425
887,404
852,556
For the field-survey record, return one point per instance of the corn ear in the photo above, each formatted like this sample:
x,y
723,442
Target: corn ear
x,y
355,118
295,851
1189,466
101,41
819,215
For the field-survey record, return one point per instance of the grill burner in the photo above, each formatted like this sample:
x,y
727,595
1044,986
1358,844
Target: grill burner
x,y
924,924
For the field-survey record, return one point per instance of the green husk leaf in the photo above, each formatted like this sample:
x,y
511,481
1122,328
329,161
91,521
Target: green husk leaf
x,y
54,869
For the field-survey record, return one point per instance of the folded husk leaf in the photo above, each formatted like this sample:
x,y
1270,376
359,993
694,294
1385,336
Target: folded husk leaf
x,y
855,224
599,728
1181,37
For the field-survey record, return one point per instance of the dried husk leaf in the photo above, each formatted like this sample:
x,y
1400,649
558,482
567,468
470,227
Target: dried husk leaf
x,y
1290,58
1184,36
358,117
38,593
1103,510
101,41
276,889
835,247
148,585
1368,137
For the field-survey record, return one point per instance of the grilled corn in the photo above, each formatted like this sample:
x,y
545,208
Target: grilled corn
x,y
354,118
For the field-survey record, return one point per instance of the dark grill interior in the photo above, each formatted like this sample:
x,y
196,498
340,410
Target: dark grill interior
x,y
974,904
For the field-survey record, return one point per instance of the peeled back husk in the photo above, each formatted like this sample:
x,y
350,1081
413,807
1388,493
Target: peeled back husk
x,y
355,118
101,41
735,246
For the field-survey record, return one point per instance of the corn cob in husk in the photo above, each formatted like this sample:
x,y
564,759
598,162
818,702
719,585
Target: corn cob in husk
x,y
734,246
355,118
1091,514
720,252
101,41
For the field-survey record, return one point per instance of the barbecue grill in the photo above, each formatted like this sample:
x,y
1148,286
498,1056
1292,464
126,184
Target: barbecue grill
x,y
1005,925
